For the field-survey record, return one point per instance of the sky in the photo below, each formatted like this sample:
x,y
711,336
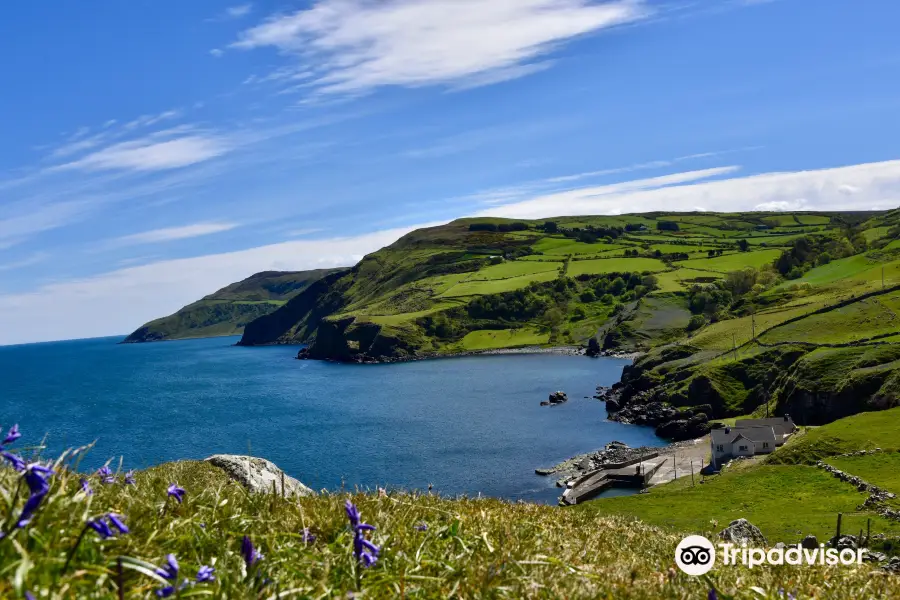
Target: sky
x,y
154,151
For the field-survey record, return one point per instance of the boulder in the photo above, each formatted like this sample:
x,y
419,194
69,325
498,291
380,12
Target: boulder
x,y
258,475
893,566
845,542
741,532
810,542
612,405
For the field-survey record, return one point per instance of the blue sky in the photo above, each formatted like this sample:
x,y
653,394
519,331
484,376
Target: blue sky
x,y
154,151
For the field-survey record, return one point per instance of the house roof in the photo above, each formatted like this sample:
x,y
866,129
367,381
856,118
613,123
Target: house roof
x,y
779,424
729,435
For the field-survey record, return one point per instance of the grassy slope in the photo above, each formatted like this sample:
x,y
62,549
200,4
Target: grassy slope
x,y
472,548
228,310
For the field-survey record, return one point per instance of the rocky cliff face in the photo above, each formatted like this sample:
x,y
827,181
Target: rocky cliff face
x,y
814,386
353,340
298,319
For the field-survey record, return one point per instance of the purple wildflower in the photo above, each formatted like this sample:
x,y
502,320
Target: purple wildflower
x,y
101,527
129,478
251,555
422,527
205,574
104,525
176,492
308,537
31,506
36,477
169,572
14,459
365,551
11,436
106,475
86,486
712,595
29,596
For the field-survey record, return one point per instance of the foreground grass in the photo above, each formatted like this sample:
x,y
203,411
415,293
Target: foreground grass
x,y
785,502
864,431
471,548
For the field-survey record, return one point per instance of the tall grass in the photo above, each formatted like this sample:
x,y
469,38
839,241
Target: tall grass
x,y
431,547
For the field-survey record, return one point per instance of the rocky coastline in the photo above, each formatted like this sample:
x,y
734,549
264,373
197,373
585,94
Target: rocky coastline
x,y
365,359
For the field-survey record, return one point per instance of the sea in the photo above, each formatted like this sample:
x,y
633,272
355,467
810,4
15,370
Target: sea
x,y
462,426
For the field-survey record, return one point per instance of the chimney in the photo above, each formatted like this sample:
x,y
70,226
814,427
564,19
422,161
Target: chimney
x,y
787,417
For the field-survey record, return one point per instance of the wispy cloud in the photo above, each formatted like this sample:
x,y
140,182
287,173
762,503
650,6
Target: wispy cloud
x,y
871,186
170,234
152,154
37,257
354,46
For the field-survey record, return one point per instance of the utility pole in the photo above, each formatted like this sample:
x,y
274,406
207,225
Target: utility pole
x,y
753,323
882,276
734,346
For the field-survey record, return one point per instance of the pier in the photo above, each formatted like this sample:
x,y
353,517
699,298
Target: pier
x,y
635,473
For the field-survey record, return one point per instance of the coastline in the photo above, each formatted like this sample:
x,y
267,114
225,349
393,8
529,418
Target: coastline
x,y
563,350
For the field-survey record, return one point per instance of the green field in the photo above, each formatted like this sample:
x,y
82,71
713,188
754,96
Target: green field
x,y
733,262
785,502
860,320
607,265
882,469
865,431
503,338
496,286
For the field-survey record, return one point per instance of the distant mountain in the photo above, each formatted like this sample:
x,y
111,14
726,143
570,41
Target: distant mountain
x,y
227,311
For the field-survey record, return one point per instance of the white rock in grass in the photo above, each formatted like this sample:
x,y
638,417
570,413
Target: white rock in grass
x,y
258,475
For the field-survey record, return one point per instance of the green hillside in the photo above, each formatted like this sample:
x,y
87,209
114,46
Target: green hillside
x,y
227,311
441,290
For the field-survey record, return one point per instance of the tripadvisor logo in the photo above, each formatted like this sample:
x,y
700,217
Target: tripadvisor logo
x,y
696,555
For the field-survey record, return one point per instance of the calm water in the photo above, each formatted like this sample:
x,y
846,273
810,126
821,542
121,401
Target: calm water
x,y
467,425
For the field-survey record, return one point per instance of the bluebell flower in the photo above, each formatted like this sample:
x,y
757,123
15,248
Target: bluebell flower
x,y
422,527
251,555
712,595
129,478
104,525
85,486
36,477
29,596
176,492
363,550
14,459
308,538
106,475
31,506
205,574
169,572
11,435
101,527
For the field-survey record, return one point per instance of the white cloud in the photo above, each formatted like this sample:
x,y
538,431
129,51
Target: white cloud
x,y
169,234
151,154
876,185
120,301
217,53
241,10
359,45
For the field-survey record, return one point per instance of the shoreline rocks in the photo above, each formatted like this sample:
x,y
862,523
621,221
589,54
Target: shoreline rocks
x,y
259,475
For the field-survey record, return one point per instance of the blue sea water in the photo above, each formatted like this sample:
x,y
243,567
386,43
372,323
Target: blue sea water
x,y
466,425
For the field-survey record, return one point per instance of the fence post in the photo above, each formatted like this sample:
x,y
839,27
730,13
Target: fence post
x,y
283,490
838,533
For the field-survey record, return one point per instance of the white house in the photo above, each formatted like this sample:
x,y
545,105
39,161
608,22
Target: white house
x,y
731,442
782,426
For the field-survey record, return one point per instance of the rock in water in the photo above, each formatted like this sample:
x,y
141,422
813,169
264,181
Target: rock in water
x,y
743,532
258,475
558,398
